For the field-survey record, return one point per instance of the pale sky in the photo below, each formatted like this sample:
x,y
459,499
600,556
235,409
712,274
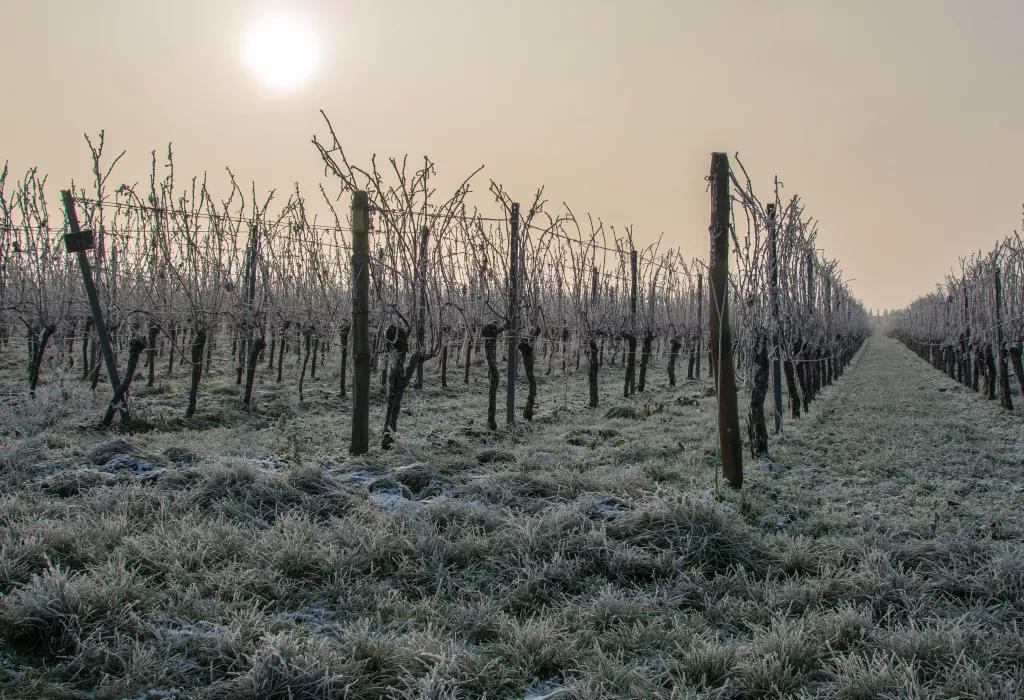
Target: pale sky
x,y
899,122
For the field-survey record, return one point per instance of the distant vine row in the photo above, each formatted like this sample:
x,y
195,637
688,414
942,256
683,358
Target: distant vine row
x,y
972,326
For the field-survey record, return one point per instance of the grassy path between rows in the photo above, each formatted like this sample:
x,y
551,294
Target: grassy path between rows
x,y
877,554
897,441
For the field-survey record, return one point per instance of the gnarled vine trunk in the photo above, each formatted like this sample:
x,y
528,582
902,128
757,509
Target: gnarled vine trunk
x,y
489,334
255,348
757,426
526,350
281,349
594,360
399,377
673,355
630,359
645,358
198,345
344,333
135,348
37,343
794,396
154,330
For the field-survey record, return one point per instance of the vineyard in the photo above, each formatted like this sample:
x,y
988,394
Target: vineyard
x,y
972,327
252,446
185,279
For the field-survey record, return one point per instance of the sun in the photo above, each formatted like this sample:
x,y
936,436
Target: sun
x,y
280,51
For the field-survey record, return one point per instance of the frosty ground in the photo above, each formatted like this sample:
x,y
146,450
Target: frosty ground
x,y
876,554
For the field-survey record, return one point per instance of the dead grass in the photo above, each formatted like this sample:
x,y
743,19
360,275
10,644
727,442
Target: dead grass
x,y
582,556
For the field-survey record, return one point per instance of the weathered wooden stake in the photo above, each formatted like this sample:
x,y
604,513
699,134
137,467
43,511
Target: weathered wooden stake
x,y
1004,374
247,337
513,307
630,358
773,263
360,324
421,304
729,439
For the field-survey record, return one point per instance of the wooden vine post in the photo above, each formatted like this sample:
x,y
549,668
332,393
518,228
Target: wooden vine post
x,y
593,353
721,338
827,363
804,367
700,329
513,308
360,324
253,342
773,262
421,303
1004,373
79,241
630,387
966,344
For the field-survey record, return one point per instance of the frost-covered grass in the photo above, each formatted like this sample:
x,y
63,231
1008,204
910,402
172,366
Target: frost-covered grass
x,y
247,556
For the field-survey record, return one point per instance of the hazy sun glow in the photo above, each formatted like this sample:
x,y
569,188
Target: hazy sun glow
x,y
280,51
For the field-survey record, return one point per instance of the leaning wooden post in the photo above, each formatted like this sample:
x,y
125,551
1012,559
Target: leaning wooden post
x,y
721,337
79,241
513,307
773,262
360,324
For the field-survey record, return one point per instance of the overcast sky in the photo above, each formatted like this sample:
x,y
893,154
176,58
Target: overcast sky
x,y
899,123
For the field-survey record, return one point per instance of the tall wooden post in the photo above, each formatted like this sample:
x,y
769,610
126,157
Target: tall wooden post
x,y
246,337
1004,372
513,309
632,290
729,440
808,365
421,303
254,256
360,324
252,342
631,338
810,281
967,338
948,349
79,241
773,263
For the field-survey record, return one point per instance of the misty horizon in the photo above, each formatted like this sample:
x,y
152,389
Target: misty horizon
x,y
894,123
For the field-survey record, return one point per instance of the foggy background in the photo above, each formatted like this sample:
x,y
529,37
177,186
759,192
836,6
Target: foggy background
x,y
897,122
